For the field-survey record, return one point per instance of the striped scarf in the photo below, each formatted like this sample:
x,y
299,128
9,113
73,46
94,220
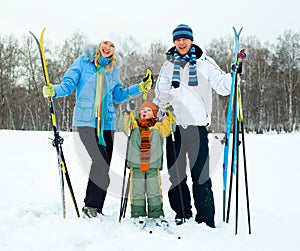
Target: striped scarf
x,y
189,57
145,133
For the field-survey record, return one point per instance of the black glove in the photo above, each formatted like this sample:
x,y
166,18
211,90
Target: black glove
x,y
238,67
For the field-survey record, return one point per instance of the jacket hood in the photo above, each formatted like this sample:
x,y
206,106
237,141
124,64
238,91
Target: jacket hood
x,y
89,52
170,53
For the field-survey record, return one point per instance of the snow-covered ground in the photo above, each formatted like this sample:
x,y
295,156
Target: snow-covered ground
x,y
30,205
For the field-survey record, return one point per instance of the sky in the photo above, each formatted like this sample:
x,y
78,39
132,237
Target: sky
x,y
149,21
30,206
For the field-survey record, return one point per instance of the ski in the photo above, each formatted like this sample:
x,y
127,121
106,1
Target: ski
x,y
169,231
229,118
57,141
235,111
164,225
238,128
146,229
151,226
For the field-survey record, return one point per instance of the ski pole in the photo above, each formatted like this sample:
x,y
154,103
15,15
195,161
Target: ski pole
x,y
124,197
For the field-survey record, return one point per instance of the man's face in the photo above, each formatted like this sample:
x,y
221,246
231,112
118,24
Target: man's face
x,y
183,45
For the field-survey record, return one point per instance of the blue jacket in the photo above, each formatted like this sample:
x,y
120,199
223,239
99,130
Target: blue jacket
x,y
81,76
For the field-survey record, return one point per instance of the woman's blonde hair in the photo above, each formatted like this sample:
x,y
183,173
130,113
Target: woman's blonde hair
x,y
113,59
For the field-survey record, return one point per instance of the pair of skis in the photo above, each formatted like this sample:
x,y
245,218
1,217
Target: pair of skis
x,y
235,111
57,141
167,230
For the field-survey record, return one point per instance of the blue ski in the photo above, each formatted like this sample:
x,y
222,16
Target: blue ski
x,y
229,118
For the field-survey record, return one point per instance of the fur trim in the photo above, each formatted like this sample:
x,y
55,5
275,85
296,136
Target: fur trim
x,y
89,52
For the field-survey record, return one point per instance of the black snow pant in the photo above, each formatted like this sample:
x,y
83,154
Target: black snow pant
x,y
101,157
191,142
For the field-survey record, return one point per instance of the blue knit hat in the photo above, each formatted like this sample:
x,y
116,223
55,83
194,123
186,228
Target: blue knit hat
x,y
183,31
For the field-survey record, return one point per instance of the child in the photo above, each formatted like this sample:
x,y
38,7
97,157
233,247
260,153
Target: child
x,y
145,160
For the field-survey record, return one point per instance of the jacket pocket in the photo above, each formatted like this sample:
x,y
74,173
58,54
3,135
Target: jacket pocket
x,y
84,110
111,115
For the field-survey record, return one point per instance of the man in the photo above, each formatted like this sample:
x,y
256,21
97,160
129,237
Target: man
x,y
186,81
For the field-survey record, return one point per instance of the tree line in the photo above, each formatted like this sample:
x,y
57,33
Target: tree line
x,y
270,82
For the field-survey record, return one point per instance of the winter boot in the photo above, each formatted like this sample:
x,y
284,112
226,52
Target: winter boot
x,y
89,212
179,219
140,221
161,222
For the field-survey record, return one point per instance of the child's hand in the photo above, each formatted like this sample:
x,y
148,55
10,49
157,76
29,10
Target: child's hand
x,y
131,104
169,107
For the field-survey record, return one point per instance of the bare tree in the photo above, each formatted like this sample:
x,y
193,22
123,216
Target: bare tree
x,y
287,62
221,51
270,83
59,62
257,70
9,75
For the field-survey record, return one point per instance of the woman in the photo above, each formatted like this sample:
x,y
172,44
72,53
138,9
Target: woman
x,y
95,77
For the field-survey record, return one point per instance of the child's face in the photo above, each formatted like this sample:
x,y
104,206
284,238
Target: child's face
x,y
146,113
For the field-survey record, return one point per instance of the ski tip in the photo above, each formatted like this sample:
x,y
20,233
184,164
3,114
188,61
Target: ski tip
x,y
237,32
31,33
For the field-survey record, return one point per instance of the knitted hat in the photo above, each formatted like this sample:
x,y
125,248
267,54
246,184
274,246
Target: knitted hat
x,y
151,105
183,31
112,37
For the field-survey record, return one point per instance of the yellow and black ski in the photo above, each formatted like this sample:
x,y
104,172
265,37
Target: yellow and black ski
x,y
57,142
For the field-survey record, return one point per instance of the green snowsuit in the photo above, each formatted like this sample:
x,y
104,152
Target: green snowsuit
x,y
146,186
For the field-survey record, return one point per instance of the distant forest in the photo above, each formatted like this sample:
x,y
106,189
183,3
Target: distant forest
x,y
270,81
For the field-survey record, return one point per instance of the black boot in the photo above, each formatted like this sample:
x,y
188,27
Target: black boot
x,y
90,212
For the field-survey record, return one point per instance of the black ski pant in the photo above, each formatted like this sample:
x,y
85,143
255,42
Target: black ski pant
x,y
101,157
190,144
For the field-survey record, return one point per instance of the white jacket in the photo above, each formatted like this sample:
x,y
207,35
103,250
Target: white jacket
x,y
192,104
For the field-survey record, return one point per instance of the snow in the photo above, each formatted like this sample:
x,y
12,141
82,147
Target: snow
x,y
30,204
